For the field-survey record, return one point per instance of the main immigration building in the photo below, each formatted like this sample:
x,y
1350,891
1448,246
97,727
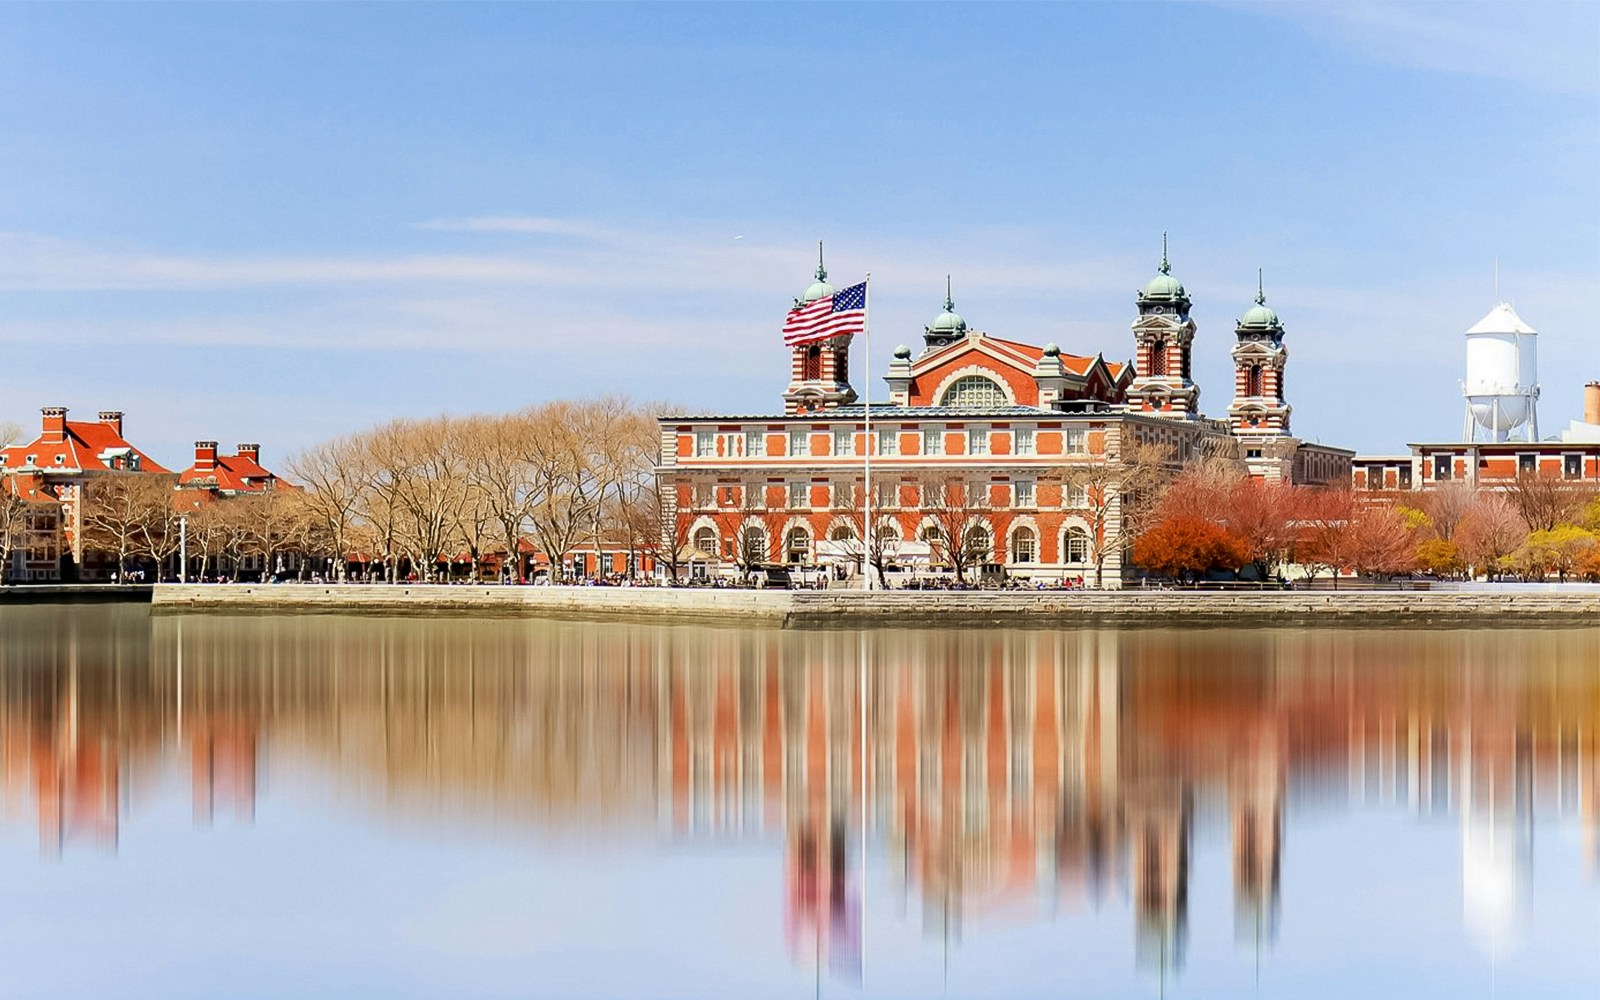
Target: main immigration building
x,y
1018,426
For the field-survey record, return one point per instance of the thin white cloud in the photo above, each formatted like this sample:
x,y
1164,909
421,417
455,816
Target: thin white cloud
x,y
1548,46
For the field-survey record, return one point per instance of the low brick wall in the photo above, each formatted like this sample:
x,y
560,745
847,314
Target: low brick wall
x,y
850,608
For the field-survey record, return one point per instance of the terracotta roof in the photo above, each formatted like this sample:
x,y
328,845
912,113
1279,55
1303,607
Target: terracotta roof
x,y
30,487
233,474
90,446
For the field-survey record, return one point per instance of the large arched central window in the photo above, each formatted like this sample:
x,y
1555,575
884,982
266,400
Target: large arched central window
x,y
974,392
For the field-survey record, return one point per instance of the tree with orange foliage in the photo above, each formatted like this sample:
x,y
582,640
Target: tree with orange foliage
x,y
1382,542
1185,546
1488,534
1322,530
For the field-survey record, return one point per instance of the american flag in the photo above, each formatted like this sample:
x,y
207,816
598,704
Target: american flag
x,y
845,311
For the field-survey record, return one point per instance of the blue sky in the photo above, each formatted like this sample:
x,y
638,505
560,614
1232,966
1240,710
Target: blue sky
x,y
276,223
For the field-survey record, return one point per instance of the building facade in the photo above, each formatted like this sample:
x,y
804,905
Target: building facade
x,y
60,465
990,456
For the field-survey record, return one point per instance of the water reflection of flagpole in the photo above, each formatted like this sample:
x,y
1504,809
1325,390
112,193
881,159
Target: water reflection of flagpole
x,y
862,695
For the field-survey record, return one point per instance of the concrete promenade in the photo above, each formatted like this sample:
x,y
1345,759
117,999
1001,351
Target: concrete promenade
x,y
822,609
74,593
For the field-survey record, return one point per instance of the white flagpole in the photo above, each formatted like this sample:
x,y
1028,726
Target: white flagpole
x,y
866,330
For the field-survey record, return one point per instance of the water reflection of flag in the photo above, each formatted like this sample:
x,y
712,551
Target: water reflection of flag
x,y
843,312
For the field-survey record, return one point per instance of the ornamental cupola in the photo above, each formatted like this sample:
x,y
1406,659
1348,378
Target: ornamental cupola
x,y
819,371
1163,337
947,327
1259,408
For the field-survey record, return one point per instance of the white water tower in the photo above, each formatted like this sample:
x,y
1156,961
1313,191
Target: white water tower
x,y
1502,383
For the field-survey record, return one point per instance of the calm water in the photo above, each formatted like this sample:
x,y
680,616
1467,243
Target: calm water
x,y
230,807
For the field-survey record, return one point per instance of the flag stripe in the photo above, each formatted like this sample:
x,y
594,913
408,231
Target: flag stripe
x,y
843,312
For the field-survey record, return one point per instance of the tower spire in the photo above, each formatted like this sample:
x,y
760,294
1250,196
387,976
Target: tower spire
x,y
949,303
1261,289
1165,268
822,272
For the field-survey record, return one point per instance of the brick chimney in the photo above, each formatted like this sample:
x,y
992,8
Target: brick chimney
x,y
54,425
112,419
250,451
205,456
1591,403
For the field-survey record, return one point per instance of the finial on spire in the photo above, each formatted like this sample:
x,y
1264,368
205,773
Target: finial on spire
x,y
949,303
1165,267
822,272
1261,289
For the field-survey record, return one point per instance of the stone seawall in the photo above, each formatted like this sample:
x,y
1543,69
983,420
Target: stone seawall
x,y
822,609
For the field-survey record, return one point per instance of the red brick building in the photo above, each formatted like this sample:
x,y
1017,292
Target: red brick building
x,y
1005,420
61,463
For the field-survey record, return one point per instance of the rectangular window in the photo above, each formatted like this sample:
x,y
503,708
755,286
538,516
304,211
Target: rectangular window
x,y
702,494
1074,496
797,441
1441,467
888,442
753,442
1405,477
933,441
1022,490
977,440
838,495
799,494
885,495
1074,441
842,443
1527,464
1024,440
754,496
1572,466
704,444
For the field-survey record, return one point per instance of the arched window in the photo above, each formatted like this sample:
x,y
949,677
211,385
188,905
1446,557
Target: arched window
x,y
980,544
1024,546
974,392
842,533
755,545
1158,357
1077,547
930,533
705,539
1253,381
797,545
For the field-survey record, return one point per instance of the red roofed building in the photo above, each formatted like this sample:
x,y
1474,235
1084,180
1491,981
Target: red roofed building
x,y
66,456
31,538
228,475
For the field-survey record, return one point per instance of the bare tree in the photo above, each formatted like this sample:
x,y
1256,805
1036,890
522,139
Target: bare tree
x,y
1117,491
1545,500
1490,532
1446,504
333,476
962,536
564,490
14,508
120,509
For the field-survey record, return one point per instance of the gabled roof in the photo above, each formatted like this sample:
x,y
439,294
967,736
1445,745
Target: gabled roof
x,y
232,474
90,446
29,487
1024,356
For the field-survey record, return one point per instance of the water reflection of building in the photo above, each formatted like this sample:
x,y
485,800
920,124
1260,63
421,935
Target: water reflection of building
x,y
1007,776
